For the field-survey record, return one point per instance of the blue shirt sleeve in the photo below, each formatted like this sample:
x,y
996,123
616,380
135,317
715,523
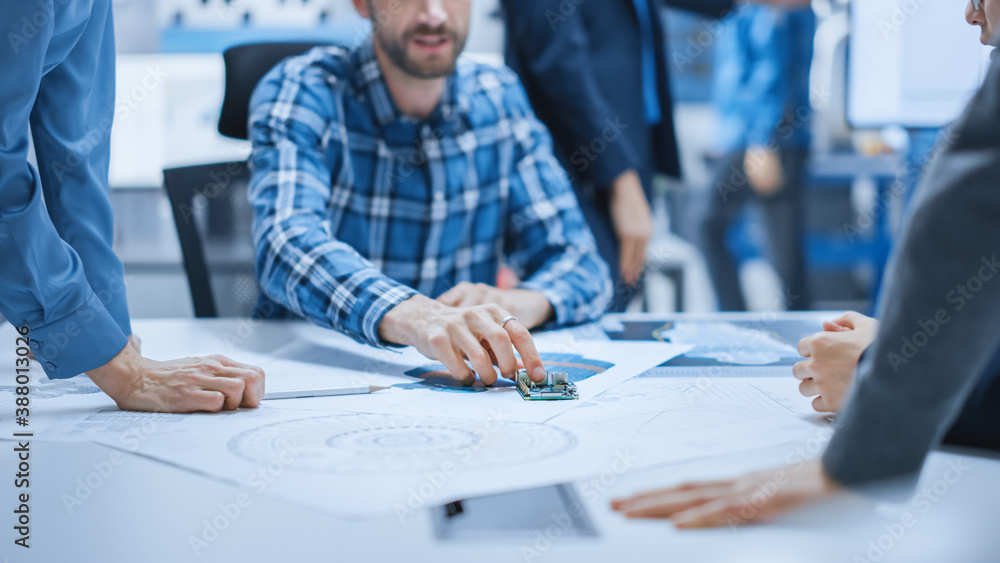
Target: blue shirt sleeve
x,y
55,221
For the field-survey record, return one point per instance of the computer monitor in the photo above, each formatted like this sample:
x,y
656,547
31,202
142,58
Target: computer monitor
x,y
912,63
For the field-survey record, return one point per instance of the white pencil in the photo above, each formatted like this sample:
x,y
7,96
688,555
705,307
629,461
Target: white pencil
x,y
326,392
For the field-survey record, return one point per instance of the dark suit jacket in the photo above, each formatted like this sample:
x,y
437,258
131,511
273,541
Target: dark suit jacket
x,y
581,63
941,312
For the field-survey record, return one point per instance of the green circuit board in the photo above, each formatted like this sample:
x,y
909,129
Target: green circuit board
x,y
556,387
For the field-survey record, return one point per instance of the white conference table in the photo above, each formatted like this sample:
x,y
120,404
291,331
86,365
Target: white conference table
x,y
147,510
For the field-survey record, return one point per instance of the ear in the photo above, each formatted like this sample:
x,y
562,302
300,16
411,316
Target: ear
x,y
362,7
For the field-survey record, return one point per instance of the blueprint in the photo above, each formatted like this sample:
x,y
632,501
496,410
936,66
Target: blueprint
x,y
668,419
354,464
425,440
419,386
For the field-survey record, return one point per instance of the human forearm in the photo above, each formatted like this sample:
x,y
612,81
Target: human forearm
x,y
210,383
341,290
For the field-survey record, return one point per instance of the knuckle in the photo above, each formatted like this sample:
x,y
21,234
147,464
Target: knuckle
x,y
439,339
497,334
479,357
217,403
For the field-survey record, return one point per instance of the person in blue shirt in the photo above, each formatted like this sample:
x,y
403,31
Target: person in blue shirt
x,y
761,94
58,274
391,180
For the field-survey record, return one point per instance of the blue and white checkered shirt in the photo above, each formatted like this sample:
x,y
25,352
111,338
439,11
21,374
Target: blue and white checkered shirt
x,y
358,207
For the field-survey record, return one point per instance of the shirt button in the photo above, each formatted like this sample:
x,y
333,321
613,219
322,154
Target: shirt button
x,y
425,131
50,366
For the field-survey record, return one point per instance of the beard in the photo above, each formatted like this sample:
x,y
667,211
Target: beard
x,y
434,67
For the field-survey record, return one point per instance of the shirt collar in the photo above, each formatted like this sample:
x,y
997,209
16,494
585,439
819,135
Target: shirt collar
x,y
370,82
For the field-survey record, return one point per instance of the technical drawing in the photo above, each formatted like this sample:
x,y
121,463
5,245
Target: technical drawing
x,y
58,388
393,444
435,377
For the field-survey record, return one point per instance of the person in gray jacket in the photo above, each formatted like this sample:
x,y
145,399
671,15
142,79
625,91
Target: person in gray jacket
x,y
939,331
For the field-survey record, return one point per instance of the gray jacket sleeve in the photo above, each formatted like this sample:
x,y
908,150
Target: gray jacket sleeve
x,y
940,309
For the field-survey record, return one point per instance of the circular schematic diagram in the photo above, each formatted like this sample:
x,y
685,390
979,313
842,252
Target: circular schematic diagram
x,y
383,443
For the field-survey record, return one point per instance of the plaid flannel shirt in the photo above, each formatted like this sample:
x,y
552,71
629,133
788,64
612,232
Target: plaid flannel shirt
x,y
358,207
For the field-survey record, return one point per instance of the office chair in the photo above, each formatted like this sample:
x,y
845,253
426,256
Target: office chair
x,y
209,202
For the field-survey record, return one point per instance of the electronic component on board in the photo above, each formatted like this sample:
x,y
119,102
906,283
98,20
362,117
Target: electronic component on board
x,y
555,387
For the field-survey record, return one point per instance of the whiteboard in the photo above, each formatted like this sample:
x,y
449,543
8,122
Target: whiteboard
x,y
914,63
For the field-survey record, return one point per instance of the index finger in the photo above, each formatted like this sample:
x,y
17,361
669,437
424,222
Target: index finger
x,y
521,339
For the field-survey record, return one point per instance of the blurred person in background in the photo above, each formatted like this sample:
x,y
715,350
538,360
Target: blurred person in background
x,y
597,75
761,95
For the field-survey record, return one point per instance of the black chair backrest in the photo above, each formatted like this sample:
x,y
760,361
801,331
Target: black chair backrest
x,y
213,220
209,202
245,66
